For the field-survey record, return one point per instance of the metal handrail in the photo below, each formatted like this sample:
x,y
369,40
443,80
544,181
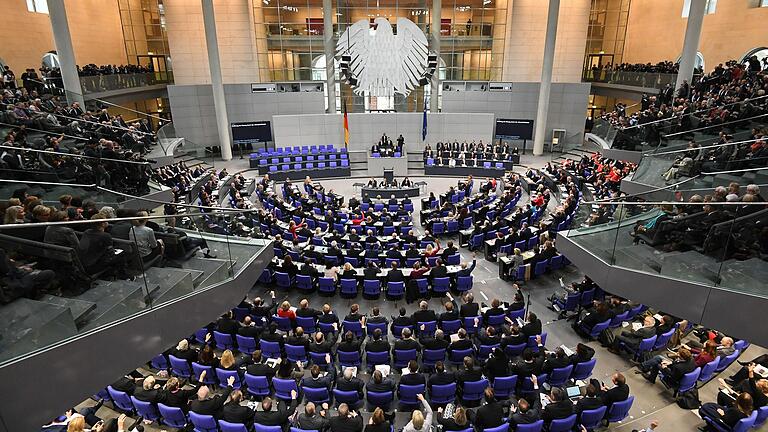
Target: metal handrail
x,y
703,148
695,112
721,124
24,149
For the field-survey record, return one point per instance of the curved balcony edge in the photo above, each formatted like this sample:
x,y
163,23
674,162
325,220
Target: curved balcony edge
x,y
73,370
731,312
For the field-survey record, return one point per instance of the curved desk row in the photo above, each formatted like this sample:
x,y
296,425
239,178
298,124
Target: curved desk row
x,y
398,192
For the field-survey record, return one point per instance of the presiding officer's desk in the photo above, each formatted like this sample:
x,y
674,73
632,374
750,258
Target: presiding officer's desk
x,y
398,192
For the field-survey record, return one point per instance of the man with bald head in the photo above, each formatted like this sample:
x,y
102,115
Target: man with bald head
x,y
208,404
347,420
424,314
279,417
310,419
305,311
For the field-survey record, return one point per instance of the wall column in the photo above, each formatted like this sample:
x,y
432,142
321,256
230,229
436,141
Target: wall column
x,y
691,44
330,52
437,9
214,63
65,51
546,78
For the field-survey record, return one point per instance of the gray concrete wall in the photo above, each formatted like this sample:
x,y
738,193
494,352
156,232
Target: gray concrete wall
x,y
195,120
567,109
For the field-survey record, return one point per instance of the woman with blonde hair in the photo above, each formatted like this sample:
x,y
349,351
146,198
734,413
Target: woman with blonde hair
x,y
14,215
419,421
76,424
227,360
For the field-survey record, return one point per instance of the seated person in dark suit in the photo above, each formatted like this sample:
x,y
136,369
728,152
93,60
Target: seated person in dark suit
x,y
618,393
524,413
424,314
491,414
406,342
379,384
533,325
469,308
233,412
590,401
402,320
395,274
463,343
318,378
556,360
673,372
584,353
441,376
349,382
268,417
350,343
559,408
413,377
530,364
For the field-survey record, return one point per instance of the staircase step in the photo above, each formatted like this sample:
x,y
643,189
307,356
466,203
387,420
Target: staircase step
x,y
214,270
78,308
116,299
173,282
30,324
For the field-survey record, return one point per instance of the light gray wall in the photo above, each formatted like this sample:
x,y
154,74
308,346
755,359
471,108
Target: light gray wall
x,y
567,106
195,120
365,129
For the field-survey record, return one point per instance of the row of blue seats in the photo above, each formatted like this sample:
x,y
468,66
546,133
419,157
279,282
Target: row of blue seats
x,y
498,165
309,166
454,259
407,395
309,158
322,148
371,288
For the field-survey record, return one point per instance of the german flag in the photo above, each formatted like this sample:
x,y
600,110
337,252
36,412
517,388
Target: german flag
x,y
346,127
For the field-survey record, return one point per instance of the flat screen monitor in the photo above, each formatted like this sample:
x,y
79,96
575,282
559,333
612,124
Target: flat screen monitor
x,y
251,132
520,129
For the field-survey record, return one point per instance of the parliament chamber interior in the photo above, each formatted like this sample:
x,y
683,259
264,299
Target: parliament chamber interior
x,y
477,216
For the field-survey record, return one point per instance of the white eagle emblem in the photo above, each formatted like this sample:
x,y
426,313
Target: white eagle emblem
x,y
382,62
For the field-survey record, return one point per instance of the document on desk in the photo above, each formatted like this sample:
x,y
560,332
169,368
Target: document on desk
x,y
454,337
658,317
520,322
636,326
761,370
384,369
567,350
544,400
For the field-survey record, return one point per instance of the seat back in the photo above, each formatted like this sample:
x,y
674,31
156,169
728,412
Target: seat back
x,y
725,362
376,358
430,357
450,327
560,376
515,350
441,285
306,323
620,410
582,371
180,367
371,327
407,394
349,358
263,428
317,395
145,409
443,394
296,352
203,423
762,416
591,419
380,399
270,349
473,390
531,427
598,328
464,283
395,289
503,387
210,376
172,416
689,380
223,375
663,339
283,388
351,398
257,385
708,370
402,357
353,326
121,400
563,425
503,428
223,340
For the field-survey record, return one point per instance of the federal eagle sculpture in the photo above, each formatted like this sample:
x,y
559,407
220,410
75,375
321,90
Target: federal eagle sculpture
x,y
380,62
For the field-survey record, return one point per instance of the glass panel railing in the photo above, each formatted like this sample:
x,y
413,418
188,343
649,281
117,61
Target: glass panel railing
x,y
718,244
102,83
637,79
80,275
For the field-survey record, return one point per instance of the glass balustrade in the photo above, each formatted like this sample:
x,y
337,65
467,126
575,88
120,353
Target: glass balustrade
x,y
199,253
721,245
102,83
636,79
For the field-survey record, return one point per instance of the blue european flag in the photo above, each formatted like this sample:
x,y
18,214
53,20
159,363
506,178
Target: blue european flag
x,y
424,122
